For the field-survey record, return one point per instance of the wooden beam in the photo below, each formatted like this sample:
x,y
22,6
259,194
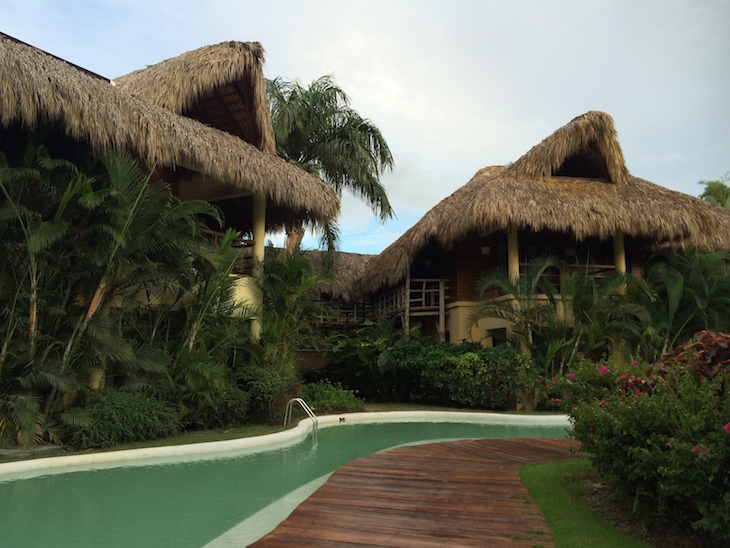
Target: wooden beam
x,y
442,310
407,313
619,252
513,254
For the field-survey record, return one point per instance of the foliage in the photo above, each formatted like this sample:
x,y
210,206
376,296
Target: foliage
x,y
592,318
269,388
524,303
119,416
467,374
362,361
486,378
663,435
316,129
290,312
717,192
689,292
587,382
326,397
231,409
105,278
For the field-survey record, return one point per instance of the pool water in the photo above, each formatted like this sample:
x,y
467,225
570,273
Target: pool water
x,y
192,503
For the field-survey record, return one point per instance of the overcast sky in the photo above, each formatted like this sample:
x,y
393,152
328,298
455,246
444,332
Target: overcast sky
x,y
454,86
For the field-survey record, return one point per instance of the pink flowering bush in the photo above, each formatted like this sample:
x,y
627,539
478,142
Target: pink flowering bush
x,y
588,382
663,436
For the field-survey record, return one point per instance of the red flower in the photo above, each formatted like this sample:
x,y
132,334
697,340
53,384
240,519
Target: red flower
x,y
603,370
727,428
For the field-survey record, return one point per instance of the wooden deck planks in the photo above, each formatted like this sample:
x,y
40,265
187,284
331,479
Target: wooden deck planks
x,y
461,493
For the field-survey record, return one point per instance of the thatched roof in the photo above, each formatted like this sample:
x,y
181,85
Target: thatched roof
x,y
221,85
37,88
341,284
575,182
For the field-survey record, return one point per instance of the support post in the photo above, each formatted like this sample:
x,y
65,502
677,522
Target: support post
x,y
442,310
407,312
513,254
619,252
259,246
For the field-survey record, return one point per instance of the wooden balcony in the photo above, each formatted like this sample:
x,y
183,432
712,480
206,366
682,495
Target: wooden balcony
x,y
345,315
418,297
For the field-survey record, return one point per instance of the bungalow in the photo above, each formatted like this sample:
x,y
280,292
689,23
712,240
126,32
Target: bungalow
x,y
202,119
571,196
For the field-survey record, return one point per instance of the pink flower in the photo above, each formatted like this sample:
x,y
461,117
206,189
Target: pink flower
x,y
590,429
695,448
603,402
727,428
669,444
634,364
603,370
571,376
705,451
552,379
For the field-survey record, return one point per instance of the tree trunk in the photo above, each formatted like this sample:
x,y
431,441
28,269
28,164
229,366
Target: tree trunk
x,y
294,237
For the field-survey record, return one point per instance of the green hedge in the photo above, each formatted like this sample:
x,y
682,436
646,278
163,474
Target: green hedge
x,y
325,397
118,416
466,374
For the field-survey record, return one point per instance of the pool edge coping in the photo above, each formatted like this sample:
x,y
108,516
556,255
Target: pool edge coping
x,y
266,441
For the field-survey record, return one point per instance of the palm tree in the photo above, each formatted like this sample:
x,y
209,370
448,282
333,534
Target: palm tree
x,y
316,129
689,293
525,303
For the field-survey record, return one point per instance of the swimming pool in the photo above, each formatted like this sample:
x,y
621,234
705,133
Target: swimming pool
x,y
189,496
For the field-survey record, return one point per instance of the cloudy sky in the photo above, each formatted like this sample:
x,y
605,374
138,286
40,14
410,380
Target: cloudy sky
x,y
454,86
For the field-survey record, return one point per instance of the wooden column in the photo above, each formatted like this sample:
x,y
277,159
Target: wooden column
x,y
407,312
619,252
513,254
442,310
259,246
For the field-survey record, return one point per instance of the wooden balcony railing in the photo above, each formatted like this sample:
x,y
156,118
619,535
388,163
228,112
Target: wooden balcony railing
x,y
424,298
346,315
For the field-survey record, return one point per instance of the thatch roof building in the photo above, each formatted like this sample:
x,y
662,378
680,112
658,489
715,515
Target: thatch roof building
x,y
575,182
343,276
221,85
163,115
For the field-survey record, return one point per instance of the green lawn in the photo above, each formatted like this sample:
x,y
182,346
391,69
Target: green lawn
x,y
558,489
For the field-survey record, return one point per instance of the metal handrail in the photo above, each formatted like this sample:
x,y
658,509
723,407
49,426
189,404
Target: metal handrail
x,y
307,410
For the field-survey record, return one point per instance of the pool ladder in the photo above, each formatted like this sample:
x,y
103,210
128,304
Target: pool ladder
x,y
307,410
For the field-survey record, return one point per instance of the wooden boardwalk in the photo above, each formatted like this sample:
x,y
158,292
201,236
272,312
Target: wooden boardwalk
x,y
460,493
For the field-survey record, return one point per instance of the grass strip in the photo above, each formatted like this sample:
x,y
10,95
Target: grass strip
x,y
558,489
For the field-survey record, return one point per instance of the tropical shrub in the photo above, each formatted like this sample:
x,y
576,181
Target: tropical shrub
x,y
688,292
586,383
106,279
467,374
663,436
230,409
326,397
268,389
118,416
486,378
362,361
